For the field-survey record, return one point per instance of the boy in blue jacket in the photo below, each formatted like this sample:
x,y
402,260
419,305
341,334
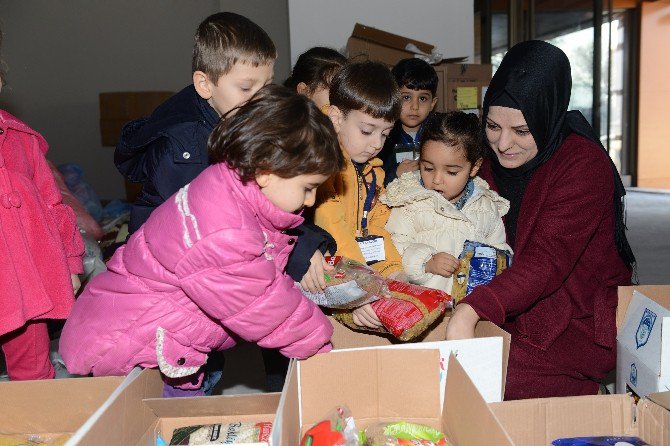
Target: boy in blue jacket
x,y
417,81
232,59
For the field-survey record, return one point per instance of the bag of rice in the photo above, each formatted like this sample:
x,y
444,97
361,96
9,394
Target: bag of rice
x,y
213,434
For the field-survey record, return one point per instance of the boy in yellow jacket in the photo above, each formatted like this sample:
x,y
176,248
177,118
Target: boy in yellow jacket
x,y
364,105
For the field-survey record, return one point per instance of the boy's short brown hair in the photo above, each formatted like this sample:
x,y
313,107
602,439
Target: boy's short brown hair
x,y
225,38
277,131
368,87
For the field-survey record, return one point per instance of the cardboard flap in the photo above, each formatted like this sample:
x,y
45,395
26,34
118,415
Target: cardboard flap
x,y
222,405
52,406
661,398
372,383
653,422
126,417
287,422
541,421
467,419
657,293
486,329
384,38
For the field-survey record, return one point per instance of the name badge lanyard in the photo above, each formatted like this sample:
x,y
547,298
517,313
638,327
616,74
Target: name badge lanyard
x,y
370,195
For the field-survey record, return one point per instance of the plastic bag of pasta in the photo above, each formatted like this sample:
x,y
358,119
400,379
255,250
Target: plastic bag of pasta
x,y
479,264
232,433
350,285
406,313
401,433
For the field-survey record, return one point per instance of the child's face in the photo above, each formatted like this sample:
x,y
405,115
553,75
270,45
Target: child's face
x,y
416,105
445,169
290,194
360,135
234,87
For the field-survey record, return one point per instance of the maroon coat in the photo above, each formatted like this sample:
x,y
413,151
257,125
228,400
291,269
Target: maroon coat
x,y
559,297
39,239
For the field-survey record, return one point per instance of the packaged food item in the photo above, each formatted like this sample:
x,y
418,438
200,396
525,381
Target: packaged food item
x,y
599,441
212,434
401,433
406,313
479,264
350,285
337,429
34,439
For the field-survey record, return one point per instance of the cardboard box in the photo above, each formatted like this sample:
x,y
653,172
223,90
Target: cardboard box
x,y
643,340
382,46
138,414
117,108
59,406
484,358
462,86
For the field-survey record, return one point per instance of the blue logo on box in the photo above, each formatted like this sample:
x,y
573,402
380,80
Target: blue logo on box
x,y
633,374
645,327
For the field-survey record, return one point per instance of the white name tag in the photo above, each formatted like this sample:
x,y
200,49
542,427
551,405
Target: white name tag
x,y
372,248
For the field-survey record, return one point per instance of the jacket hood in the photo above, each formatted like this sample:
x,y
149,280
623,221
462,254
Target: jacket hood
x,y
9,121
407,189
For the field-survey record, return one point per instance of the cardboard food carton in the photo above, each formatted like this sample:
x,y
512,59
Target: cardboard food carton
x,y
484,357
643,340
138,414
117,108
462,86
59,406
382,46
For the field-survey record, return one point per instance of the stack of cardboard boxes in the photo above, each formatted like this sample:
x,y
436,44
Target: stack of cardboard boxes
x,y
461,86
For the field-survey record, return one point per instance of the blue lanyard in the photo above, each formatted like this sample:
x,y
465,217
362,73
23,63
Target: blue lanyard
x,y
370,195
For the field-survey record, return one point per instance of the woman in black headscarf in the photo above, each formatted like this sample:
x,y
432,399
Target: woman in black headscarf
x,y
566,226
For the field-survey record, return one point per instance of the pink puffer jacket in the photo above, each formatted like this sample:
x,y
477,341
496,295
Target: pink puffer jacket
x,y
205,269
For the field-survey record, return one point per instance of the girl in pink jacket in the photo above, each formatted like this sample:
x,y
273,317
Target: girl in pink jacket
x,y
207,268
41,251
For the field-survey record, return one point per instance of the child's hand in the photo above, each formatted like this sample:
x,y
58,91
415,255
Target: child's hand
x,y
462,323
407,166
365,316
76,283
442,264
314,280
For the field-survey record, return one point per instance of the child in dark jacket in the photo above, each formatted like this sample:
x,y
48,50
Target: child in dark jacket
x,y
417,81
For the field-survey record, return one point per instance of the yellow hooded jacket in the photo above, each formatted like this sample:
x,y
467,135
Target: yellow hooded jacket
x,y
339,210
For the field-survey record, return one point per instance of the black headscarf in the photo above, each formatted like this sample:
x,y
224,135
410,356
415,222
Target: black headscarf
x,y
534,77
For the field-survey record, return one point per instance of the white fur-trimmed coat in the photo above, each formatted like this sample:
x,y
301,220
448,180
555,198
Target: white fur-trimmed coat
x,y
423,223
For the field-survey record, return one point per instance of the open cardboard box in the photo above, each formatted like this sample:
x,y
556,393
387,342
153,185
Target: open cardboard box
x,y
643,340
462,86
59,406
138,414
484,357
382,46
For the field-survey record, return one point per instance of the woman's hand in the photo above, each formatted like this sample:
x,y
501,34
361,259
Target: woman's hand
x,y
314,280
462,323
76,283
407,166
365,316
442,264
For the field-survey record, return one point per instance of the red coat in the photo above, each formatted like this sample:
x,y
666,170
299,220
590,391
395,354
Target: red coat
x,y
559,298
40,243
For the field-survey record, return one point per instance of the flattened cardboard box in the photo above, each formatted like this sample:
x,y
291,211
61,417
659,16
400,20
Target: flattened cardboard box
x,y
484,358
643,340
59,406
138,414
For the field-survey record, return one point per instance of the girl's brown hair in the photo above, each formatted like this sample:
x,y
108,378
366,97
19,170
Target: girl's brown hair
x,y
277,131
458,129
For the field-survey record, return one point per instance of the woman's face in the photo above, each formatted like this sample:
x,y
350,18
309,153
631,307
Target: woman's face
x,y
509,136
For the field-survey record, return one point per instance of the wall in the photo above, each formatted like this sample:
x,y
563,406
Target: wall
x,y
653,168
61,53
448,25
